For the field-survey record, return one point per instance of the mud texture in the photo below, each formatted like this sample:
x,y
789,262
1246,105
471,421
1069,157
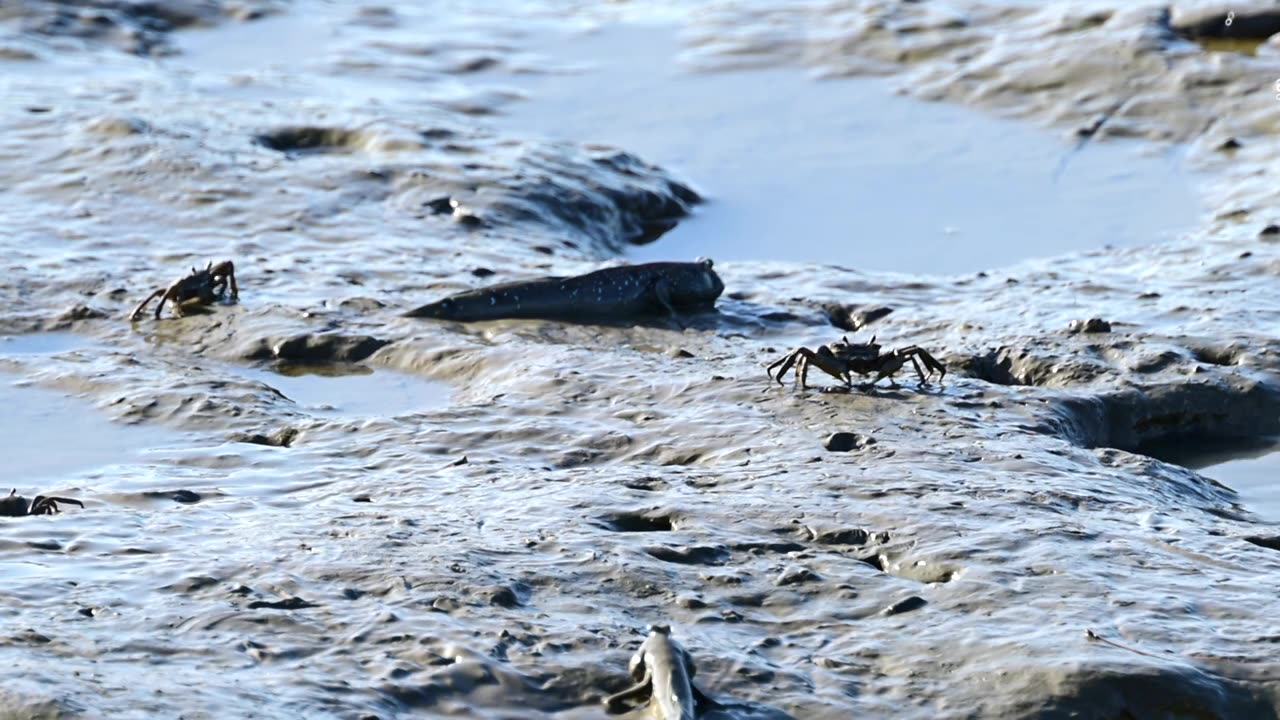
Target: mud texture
x,y
994,547
139,27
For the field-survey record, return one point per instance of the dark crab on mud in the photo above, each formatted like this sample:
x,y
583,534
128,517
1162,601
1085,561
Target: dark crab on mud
x,y
842,359
201,287
17,506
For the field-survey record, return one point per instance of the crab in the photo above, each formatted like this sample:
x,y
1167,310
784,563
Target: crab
x,y
16,506
842,359
201,287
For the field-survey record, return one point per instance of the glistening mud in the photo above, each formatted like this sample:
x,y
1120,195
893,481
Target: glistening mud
x,y
996,546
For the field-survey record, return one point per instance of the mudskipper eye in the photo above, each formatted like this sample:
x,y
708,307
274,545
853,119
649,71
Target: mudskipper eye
x,y
705,262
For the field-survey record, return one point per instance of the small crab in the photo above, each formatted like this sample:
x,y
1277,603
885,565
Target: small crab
x,y
841,359
16,506
201,287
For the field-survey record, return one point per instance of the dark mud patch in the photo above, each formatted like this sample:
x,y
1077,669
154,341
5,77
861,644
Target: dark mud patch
x,y
1133,683
610,198
1234,410
345,390
628,521
906,605
1214,355
1270,542
1198,452
283,437
300,141
691,554
139,28
290,603
848,442
183,497
1019,366
836,535
618,198
314,349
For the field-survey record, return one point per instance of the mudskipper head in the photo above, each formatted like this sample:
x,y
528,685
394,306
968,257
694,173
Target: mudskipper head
x,y
709,283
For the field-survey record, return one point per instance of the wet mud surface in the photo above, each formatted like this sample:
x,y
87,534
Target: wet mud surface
x,y
996,546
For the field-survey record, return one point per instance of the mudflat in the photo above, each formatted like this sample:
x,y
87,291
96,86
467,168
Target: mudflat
x,y
494,536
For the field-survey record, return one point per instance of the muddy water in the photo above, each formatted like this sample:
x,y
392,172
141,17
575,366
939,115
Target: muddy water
x,y
1257,479
844,171
353,390
997,546
1251,469
39,423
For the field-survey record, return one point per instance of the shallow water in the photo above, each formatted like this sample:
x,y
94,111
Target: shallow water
x,y
50,436
353,390
844,172
1256,479
1251,469
40,343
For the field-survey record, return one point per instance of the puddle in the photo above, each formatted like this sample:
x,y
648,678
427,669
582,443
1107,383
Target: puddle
x,y
49,343
843,171
353,390
48,436
1252,469
286,42
1256,479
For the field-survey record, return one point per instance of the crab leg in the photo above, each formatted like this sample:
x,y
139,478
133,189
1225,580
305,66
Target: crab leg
x,y
137,312
916,365
786,362
170,296
929,361
225,271
825,362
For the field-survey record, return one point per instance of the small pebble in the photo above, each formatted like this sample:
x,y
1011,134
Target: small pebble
x,y
912,603
1092,325
846,441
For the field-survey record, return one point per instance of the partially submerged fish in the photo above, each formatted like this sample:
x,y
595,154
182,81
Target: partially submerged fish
x,y
618,293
